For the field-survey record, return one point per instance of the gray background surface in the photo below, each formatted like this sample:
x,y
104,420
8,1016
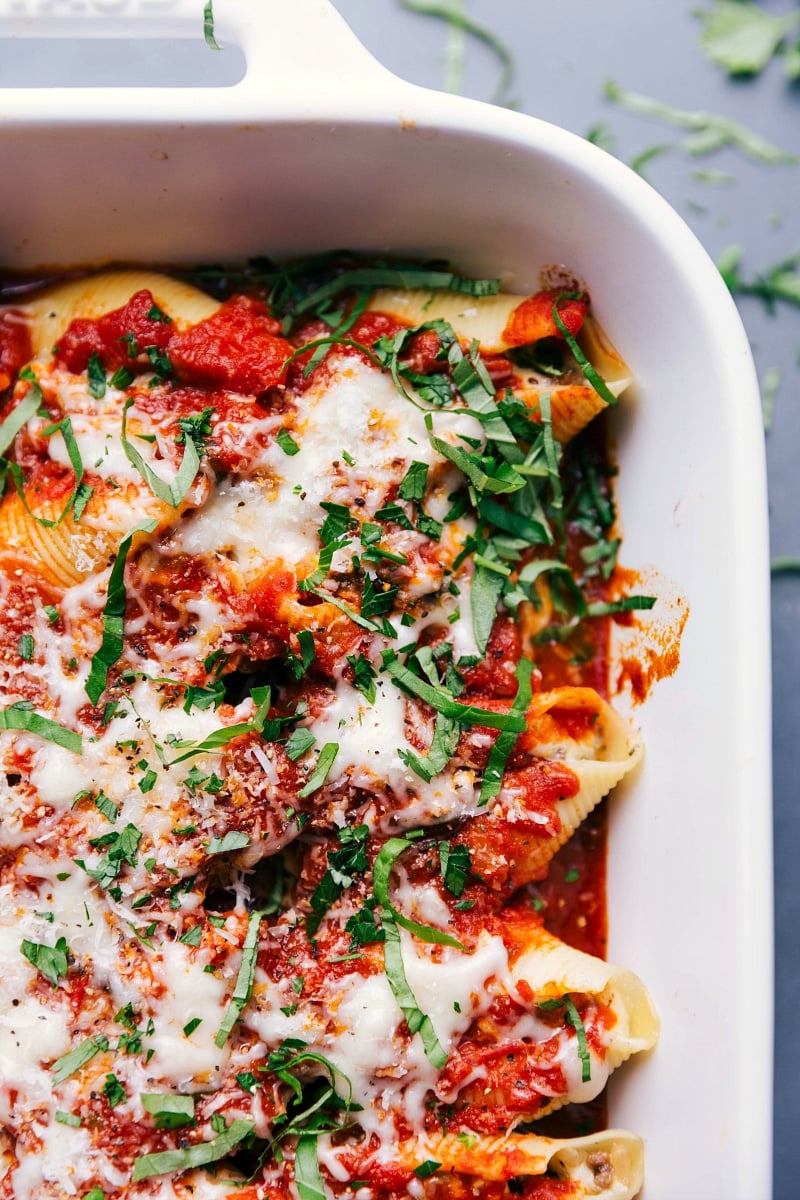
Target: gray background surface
x,y
564,51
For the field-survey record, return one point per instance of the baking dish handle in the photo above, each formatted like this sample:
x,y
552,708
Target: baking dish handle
x,y
291,47
304,43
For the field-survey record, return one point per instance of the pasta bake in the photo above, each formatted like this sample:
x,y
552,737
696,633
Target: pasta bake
x,y
307,577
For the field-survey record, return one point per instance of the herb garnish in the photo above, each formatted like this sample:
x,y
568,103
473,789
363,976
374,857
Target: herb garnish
x,y
344,866
710,131
262,697
459,21
120,847
71,1062
27,408
442,700
81,493
208,26
171,1111
197,1155
244,980
112,642
573,1017
741,37
417,1021
50,961
400,277
455,866
22,716
321,771
236,839
173,493
503,746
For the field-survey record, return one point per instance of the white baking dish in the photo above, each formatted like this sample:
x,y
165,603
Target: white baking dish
x,y
319,147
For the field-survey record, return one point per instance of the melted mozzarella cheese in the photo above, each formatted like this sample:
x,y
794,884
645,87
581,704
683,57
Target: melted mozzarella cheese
x,y
232,524
32,1031
371,740
390,1074
358,412
65,1160
188,1062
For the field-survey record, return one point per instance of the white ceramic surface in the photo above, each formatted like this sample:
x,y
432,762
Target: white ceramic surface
x,y
319,147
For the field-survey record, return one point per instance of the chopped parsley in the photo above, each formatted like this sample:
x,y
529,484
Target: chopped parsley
x,y
345,865
114,1091
50,961
287,443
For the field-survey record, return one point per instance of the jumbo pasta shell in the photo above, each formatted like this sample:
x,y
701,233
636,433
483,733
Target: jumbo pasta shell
x,y
481,317
552,969
608,1165
606,753
485,318
64,554
51,313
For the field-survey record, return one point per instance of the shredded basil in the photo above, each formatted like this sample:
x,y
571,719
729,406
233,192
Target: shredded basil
x,y
364,676
442,701
502,748
381,873
96,375
308,652
625,604
320,773
446,732
220,737
322,570
208,26
121,846
485,591
198,1155
171,493
287,443
417,1021
459,21
318,344
456,864
244,980
50,961
65,1118
235,840
412,485
427,1168
112,642
22,716
299,743
20,416
170,1110
81,493
345,865
708,131
400,277
595,379
71,1062
483,472
573,1017
307,1178
741,37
